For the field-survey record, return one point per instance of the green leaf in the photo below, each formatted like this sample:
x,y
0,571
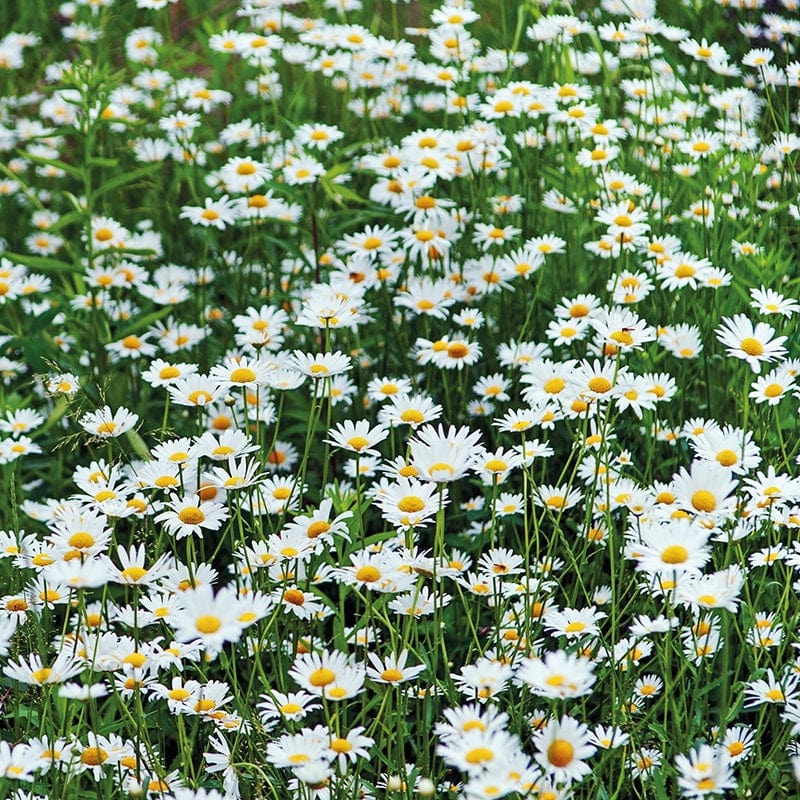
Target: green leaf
x,y
41,262
124,178
142,322
138,444
66,219
100,161
337,192
75,172
337,169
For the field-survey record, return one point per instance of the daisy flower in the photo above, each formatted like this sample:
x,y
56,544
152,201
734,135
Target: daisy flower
x,y
392,669
409,409
409,503
106,423
489,236
768,302
706,489
164,373
443,456
32,670
224,445
332,675
213,620
322,365
291,706
107,233
189,516
357,437
704,771
213,213
241,372
752,343
563,745
558,675
730,447
478,750
195,390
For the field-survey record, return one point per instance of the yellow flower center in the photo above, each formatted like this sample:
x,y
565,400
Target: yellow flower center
x,y
479,755
703,500
199,397
599,384
81,540
727,458
243,375
560,753
191,515
294,596
751,346
358,443
368,574
674,554
321,677
208,623
411,504
93,756
622,337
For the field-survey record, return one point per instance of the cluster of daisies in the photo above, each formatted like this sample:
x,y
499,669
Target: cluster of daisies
x,y
446,447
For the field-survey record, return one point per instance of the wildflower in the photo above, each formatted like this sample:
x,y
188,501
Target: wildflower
x,y
213,620
302,170
32,671
704,771
132,346
478,751
189,516
165,373
132,570
292,706
768,302
563,745
357,437
452,354
107,233
195,390
573,623
332,675
213,213
771,689
392,669
410,502
243,372
106,423
558,675
706,490
738,742
753,344
442,456
418,602
488,236
323,365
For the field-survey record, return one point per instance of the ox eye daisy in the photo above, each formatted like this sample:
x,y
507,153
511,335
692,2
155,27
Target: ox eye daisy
x,y
108,424
754,344
357,437
190,516
217,214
